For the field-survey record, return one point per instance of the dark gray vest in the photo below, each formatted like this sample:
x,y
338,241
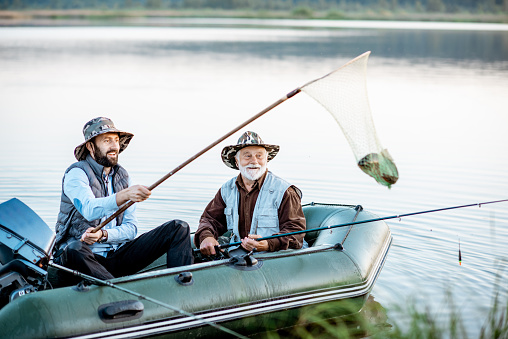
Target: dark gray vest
x,y
70,223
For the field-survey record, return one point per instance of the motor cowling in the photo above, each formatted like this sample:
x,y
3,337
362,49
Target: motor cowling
x,y
26,243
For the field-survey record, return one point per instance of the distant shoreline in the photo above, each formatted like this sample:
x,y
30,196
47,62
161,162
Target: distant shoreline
x,y
136,17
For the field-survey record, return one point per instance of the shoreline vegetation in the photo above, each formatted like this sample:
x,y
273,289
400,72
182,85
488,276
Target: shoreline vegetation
x,y
408,321
143,16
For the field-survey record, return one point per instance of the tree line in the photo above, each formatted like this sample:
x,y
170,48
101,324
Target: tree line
x,y
442,6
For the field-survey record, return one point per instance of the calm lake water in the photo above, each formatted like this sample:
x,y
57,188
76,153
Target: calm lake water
x,y
438,94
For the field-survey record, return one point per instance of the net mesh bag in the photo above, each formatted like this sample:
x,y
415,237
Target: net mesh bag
x,y
343,93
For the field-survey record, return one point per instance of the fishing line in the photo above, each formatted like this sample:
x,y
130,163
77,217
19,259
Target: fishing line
x,y
141,296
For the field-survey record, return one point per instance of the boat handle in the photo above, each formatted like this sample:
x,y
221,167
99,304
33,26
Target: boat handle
x,y
16,249
121,311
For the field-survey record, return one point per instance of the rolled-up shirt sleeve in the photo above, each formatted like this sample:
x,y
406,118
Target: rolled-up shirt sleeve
x,y
77,189
213,221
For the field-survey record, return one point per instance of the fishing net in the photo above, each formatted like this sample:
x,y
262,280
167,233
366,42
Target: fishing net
x,y
343,93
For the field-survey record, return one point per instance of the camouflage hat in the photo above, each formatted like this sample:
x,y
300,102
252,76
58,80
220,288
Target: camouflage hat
x,y
99,126
246,139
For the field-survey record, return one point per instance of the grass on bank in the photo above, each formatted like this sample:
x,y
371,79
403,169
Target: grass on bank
x,y
372,322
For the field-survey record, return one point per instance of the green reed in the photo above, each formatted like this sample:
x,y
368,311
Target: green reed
x,y
407,322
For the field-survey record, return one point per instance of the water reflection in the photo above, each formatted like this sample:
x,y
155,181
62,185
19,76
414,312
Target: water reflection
x,y
400,45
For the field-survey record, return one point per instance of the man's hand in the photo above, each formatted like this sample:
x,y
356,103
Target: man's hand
x,y
249,243
207,246
136,193
90,238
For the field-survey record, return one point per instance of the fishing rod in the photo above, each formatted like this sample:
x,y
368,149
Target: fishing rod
x,y
147,298
351,224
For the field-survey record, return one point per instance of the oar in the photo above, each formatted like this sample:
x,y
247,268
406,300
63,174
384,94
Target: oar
x,y
142,296
194,157
398,216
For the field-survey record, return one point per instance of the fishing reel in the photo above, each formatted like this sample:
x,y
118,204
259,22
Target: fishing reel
x,y
220,254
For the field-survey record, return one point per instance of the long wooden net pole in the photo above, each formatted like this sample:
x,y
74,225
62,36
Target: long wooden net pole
x,y
197,155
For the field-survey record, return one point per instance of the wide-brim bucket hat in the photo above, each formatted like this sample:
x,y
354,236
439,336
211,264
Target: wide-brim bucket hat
x,y
246,139
98,126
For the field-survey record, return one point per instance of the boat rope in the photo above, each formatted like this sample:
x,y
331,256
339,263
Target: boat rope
x,y
101,282
358,209
160,269
327,204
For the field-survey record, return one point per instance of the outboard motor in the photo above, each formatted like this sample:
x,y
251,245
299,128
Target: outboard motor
x,y
26,243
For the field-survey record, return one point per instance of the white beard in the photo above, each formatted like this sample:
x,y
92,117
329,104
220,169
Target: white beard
x,y
252,172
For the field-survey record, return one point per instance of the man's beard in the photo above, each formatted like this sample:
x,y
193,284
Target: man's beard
x,y
103,159
252,172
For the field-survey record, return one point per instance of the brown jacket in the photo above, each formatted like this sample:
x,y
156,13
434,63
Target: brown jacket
x,y
213,221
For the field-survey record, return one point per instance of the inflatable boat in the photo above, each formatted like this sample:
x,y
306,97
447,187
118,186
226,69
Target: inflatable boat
x,y
248,294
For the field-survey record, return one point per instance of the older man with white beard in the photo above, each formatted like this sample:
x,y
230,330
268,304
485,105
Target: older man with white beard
x,y
255,204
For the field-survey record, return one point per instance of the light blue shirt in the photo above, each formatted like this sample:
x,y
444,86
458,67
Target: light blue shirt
x,y
77,188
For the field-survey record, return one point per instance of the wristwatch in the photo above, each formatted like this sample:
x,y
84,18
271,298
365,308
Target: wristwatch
x,y
104,237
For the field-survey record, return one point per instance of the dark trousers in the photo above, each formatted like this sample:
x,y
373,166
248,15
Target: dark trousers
x,y
172,238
